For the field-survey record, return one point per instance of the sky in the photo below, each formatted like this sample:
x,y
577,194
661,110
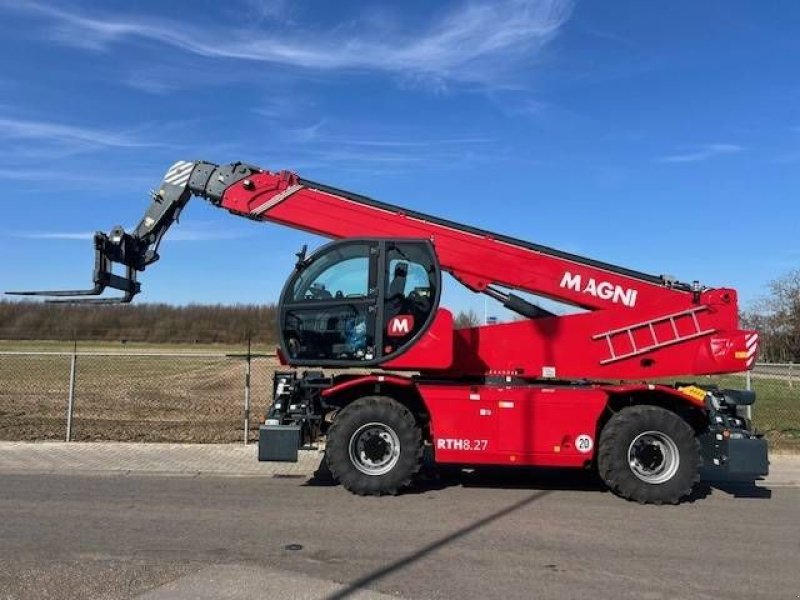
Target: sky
x,y
664,137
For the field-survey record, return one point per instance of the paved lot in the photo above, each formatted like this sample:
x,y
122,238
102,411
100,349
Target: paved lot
x,y
122,533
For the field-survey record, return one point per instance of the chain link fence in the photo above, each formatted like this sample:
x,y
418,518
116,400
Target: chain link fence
x,y
777,408
134,396
222,396
34,389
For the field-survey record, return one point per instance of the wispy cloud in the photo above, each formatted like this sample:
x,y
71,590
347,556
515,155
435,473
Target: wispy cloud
x,y
704,152
477,43
264,10
56,235
421,143
320,134
395,159
152,81
279,107
39,151
76,177
305,134
181,234
51,132
374,146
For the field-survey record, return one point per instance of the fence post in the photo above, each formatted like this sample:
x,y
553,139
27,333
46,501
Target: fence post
x,y
748,386
247,393
790,374
71,397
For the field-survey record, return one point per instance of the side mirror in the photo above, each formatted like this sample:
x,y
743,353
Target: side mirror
x,y
301,257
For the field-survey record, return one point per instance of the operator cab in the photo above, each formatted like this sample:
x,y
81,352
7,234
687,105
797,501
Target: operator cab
x,y
359,302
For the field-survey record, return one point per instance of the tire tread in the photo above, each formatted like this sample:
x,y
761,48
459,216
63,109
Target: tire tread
x,y
337,451
622,481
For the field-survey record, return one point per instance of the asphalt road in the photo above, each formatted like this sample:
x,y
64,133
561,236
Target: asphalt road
x,y
475,536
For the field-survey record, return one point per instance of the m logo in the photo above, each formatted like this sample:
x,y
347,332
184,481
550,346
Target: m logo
x,y
400,325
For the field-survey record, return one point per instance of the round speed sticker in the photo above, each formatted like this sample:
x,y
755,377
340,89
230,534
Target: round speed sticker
x,y
584,443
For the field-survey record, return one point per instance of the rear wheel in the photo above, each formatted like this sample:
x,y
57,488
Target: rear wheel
x,y
650,455
374,446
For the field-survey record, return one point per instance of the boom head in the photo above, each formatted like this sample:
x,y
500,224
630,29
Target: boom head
x,y
139,248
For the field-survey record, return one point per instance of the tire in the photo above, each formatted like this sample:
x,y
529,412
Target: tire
x,y
650,455
374,446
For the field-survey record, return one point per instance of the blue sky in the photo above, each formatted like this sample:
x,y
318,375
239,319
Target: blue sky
x,y
660,136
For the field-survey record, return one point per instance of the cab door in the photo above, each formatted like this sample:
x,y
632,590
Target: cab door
x,y
359,302
411,288
329,306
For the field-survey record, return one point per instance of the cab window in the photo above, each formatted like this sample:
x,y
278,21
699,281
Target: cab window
x,y
341,273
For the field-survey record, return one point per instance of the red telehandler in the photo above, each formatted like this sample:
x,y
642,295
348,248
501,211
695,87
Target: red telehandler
x,y
544,390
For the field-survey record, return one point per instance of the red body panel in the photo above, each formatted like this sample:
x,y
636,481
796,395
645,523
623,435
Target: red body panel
x,y
638,326
563,347
514,425
531,424
434,349
633,388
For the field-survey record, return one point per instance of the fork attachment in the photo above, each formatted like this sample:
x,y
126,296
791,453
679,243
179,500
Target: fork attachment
x,y
139,248
108,249
133,250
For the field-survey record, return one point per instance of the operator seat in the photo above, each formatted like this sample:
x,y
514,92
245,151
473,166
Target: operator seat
x,y
397,288
396,294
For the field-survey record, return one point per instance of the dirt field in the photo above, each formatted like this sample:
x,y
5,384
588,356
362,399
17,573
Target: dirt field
x,y
131,398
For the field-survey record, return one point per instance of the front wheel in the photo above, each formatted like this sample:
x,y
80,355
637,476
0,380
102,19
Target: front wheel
x,y
650,455
374,446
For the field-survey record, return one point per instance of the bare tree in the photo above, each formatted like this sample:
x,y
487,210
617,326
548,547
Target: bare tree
x,y
465,319
777,318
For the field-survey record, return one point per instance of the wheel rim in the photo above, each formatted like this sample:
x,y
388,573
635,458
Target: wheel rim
x,y
374,449
653,457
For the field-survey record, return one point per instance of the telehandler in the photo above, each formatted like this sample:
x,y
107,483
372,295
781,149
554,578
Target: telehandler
x,y
544,390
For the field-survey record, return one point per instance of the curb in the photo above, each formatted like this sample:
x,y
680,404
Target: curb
x,y
213,460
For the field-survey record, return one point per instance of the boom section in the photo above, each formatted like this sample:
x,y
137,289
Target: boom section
x,y
478,258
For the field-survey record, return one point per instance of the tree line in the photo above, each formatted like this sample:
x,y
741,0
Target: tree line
x,y
154,323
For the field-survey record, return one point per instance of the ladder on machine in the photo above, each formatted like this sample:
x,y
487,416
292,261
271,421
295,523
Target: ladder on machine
x,y
685,320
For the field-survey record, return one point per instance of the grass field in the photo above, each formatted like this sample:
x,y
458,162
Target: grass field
x,y
777,408
201,399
